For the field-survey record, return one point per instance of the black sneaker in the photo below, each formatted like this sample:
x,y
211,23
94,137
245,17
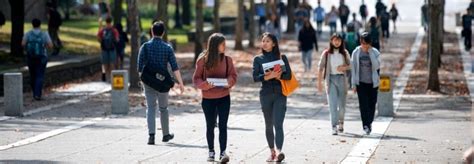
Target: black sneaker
x,y
224,158
211,157
168,137
280,157
151,139
37,98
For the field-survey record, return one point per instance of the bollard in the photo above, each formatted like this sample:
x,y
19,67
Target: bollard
x,y
385,97
119,92
13,92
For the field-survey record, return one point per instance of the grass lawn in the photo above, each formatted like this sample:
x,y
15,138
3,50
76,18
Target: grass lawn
x,y
79,36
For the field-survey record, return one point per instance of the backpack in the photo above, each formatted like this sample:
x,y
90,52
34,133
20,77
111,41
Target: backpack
x,y
35,45
374,34
351,41
108,39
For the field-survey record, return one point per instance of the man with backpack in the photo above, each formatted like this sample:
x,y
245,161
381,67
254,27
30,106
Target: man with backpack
x,y
54,22
35,42
108,36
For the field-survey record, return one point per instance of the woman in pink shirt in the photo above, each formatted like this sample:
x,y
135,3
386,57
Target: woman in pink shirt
x,y
215,75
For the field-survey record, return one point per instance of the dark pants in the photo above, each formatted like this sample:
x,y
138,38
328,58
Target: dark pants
x,y
367,95
37,67
386,30
57,44
344,22
274,110
214,108
467,38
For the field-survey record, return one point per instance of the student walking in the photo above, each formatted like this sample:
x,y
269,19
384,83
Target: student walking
x,y
156,54
385,23
333,67
467,30
108,37
394,17
319,15
363,12
272,100
54,22
308,41
213,63
273,26
332,18
365,79
35,42
121,44
344,13
375,31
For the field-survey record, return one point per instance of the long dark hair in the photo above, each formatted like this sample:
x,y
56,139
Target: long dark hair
x,y
276,48
341,48
211,54
308,28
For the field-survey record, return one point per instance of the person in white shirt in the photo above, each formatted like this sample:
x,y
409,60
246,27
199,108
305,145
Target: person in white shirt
x,y
334,64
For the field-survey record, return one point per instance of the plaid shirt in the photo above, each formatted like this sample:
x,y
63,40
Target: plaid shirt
x,y
156,54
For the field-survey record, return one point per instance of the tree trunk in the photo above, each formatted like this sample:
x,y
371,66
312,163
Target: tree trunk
x,y
177,17
118,11
239,29
198,46
290,13
18,19
434,44
217,22
441,31
163,15
134,41
252,24
186,12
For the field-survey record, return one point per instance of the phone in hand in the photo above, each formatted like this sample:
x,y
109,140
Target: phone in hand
x,y
277,68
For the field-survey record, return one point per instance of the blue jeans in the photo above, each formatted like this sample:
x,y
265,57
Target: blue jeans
x,y
151,97
332,27
307,59
37,67
337,98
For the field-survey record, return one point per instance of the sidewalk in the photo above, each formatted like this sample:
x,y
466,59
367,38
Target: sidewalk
x,y
122,139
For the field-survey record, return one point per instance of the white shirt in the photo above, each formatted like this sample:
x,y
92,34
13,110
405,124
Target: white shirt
x,y
336,60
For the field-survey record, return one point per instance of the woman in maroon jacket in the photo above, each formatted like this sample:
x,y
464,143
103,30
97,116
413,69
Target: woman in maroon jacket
x,y
215,75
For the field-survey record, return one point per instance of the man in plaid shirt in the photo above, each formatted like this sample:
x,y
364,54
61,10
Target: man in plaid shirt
x,y
157,54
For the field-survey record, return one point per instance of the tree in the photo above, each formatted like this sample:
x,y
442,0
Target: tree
x,y
177,17
434,44
198,39
162,14
135,45
239,29
118,11
217,22
290,12
18,19
186,12
252,24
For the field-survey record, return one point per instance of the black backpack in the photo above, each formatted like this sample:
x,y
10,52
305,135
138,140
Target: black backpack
x,y
108,39
374,34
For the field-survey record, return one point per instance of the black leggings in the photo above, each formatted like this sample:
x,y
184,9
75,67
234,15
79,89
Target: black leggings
x,y
212,109
367,99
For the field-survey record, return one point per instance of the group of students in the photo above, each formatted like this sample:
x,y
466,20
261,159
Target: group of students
x,y
213,63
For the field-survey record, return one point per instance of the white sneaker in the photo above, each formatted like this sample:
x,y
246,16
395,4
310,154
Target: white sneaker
x,y
224,158
212,156
334,130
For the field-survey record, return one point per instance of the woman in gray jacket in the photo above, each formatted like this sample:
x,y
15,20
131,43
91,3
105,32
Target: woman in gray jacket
x,y
365,79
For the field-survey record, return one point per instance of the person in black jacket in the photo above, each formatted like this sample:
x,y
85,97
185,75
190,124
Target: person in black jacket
x,y
271,97
308,41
